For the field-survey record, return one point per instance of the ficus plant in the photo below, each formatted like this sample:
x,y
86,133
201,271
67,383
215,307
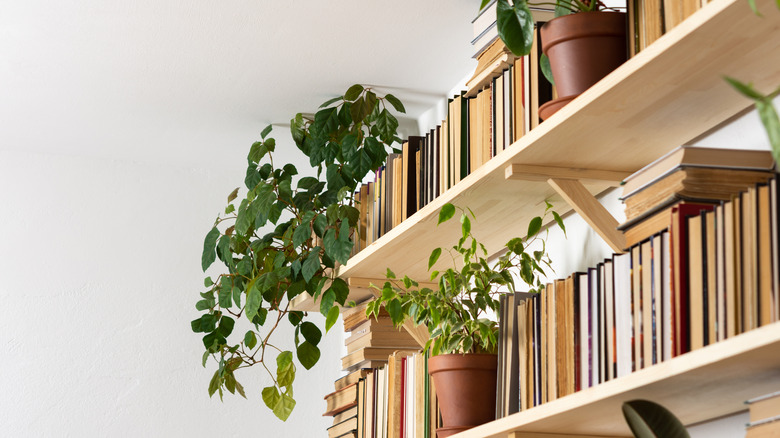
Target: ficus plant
x,y
283,238
457,311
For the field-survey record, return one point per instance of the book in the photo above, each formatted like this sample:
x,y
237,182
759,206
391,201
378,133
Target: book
x,y
341,400
764,407
343,428
350,379
692,184
694,156
367,357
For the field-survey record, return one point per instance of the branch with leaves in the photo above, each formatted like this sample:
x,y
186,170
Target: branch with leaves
x,y
457,311
284,238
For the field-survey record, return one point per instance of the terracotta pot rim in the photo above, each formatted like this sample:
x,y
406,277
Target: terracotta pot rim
x,y
571,34
447,362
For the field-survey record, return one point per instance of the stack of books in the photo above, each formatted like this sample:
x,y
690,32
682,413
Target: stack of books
x,y
702,177
764,416
344,405
370,342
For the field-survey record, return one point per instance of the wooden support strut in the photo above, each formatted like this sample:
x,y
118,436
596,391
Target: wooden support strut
x,y
566,181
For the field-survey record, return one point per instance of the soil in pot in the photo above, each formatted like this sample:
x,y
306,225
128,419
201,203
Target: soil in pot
x,y
466,388
583,48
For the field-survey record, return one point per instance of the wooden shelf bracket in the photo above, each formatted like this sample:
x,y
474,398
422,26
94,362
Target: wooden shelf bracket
x,y
567,182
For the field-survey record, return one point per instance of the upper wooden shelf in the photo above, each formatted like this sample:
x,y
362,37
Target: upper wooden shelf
x,y
670,93
707,383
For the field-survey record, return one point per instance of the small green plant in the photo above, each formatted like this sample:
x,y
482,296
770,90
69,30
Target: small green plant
x,y
456,312
650,420
284,238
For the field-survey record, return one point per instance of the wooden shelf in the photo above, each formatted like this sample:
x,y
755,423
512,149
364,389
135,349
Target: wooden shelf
x,y
668,94
707,383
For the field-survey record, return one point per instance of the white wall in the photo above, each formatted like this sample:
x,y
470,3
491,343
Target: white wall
x,y
100,268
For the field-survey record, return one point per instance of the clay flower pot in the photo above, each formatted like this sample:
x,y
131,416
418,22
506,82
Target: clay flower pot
x,y
466,388
583,48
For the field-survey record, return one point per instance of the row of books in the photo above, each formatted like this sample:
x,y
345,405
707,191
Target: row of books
x,y
370,342
714,273
396,400
477,128
649,19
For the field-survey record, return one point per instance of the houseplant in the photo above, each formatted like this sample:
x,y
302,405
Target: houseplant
x,y
585,42
463,339
278,242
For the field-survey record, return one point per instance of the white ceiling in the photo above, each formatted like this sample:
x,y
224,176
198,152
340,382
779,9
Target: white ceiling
x,y
187,80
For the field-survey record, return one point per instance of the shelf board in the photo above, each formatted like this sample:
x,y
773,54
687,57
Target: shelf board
x,y
707,383
670,93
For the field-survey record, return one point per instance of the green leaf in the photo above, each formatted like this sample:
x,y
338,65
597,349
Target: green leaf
x,y
285,376
559,221
395,310
226,325
208,282
331,101
326,301
209,245
254,300
196,325
214,384
746,90
311,265
301,234
396,103
320,225
205,358
446,213
333,316
250,339
237,296
433,258
225,294
284,407
483,4
308,354
341,289
544,64
311,332
271,397
298,131
266,131
203,305
465,225
515,26
284,359
650,420
353,92
771,122
534,226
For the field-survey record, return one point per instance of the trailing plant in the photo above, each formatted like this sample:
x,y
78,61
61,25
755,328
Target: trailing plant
x,y
284,238
650,420
456,312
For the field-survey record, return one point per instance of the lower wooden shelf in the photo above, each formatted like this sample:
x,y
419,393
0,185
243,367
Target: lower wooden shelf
x,y
704,384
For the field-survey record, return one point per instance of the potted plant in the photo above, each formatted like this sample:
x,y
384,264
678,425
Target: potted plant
x,y
283,238
463,339
584,43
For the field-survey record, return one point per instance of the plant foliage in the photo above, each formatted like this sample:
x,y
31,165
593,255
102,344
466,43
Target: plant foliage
x,y
283,239
457,311
651,420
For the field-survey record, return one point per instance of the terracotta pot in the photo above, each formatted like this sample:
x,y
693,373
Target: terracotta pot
x,y
583,48
466,388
